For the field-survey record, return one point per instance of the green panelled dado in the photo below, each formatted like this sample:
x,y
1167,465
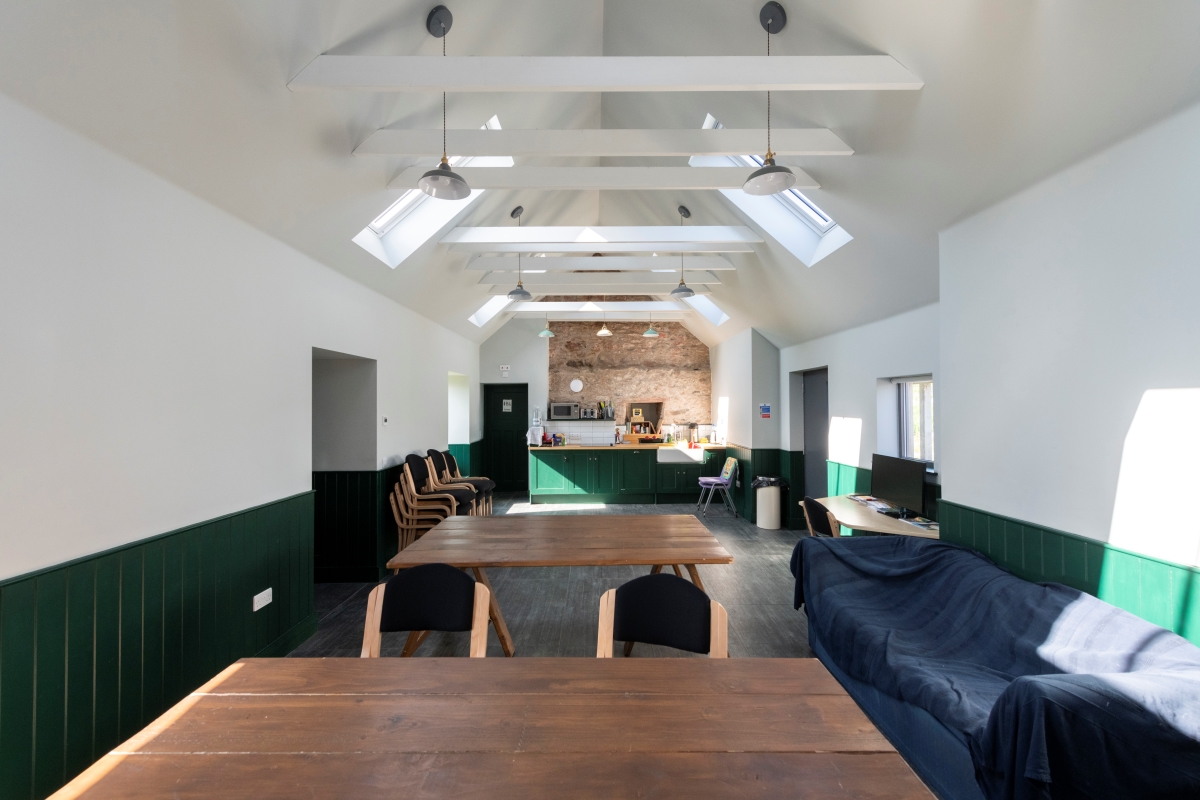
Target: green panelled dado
x,y
847,479
93,650
355,531
1161,592
773,462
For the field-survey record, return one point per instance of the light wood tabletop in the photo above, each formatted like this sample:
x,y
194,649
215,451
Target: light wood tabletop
x,y
535,540
860,518
500,728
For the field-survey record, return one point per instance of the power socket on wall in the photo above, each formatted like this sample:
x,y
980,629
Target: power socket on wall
x,y
261,599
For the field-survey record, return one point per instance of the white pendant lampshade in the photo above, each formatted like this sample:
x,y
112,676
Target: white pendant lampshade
x,y
443,183
604,331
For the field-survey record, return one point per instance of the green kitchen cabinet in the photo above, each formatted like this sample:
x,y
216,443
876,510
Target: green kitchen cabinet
x,y
636,471
679,478
668,478
714,462
603,471
550,472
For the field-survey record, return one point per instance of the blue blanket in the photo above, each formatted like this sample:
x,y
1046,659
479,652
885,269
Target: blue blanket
x,y
1057,693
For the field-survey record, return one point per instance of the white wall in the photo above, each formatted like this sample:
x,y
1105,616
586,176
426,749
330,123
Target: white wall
x,y
1061,308
765,379
906,344
517,344
344,394
157,354
458,408
732,376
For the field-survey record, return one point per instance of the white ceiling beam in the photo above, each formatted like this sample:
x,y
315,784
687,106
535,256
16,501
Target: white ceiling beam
x,y
603,74
656,289
616,263
598,306
600,178
599,234
631,279
674,248
588,316
605,142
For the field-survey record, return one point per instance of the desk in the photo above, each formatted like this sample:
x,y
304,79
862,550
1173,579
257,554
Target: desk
x,y
501,728
534,540
860,518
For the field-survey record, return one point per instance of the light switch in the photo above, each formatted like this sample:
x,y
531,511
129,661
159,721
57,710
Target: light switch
x,y
262,599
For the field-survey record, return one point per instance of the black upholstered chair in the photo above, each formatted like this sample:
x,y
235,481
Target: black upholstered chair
x,y
443,475
431,597
418,472
663,609
820,519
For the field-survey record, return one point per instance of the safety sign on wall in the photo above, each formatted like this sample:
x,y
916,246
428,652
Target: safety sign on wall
x,y
507,405
764,410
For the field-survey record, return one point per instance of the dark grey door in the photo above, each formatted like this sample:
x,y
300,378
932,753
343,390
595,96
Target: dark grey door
x,y
505,422
816,432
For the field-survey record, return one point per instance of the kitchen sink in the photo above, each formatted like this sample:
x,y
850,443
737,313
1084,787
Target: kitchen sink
x,y
680,455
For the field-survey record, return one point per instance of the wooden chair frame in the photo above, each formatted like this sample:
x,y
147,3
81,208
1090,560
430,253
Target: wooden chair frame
x,y
428,500
458,474
372,638
411,522
718,631
834,525
436,484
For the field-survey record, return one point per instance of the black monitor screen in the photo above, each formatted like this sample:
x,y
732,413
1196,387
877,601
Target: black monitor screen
x,y
899,481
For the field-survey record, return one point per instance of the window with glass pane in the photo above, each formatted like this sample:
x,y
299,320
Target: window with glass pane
x,y
916,419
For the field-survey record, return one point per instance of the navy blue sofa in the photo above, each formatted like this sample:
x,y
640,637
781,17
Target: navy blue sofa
x,y
994,687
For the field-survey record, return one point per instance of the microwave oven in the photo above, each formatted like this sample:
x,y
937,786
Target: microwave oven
x,y
564,411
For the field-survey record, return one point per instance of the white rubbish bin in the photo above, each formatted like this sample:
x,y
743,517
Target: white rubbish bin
x,y
766,500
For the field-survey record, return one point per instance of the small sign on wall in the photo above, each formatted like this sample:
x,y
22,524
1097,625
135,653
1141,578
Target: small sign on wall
x,y
764,410
504,370
506,405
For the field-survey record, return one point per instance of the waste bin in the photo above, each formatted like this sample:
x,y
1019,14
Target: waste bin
x,y
768,501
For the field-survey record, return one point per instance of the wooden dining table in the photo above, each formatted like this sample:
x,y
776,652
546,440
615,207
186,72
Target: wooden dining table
x,y
533,540
509,728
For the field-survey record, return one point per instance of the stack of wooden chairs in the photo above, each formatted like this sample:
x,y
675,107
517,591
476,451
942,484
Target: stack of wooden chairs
x,y
421,498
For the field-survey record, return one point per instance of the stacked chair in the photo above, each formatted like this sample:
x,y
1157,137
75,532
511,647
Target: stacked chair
x,y
430,490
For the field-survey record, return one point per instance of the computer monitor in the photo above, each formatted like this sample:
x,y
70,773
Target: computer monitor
x,y
899,481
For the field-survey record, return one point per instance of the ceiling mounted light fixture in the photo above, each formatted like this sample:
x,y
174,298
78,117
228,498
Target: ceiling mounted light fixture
x,y
519,292
441,182
604,331
545,332
682,290
770,178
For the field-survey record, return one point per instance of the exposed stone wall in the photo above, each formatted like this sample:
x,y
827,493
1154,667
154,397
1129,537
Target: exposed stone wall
x,y
627,367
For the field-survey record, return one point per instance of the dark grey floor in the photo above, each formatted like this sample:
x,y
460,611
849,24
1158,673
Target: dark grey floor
x,y
552,611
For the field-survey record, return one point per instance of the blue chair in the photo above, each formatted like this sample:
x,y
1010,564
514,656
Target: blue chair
x,y
723,484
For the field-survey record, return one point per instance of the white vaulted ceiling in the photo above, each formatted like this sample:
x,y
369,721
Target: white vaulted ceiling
x,y
1014,90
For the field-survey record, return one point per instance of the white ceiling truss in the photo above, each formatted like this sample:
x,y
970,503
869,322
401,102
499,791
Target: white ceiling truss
x,y
552,281
626,264
601,178
604,74
614,142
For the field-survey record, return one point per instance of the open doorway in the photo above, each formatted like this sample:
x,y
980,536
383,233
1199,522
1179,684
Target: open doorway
x,y
458,410
343,412
814,384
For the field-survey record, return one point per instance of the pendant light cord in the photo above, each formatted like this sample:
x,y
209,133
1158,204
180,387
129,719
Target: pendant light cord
x,y
681,255
518,254
769,153
447,161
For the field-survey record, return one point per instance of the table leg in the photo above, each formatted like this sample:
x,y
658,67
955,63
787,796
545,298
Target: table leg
x,y
678,574
691,568
628,648
657,568
506,642
413,642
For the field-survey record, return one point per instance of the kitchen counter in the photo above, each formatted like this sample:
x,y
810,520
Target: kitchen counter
x,y
625,446
620,473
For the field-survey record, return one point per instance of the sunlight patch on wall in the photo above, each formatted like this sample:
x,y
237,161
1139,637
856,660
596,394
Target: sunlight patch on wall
x,y
1160,472
845,436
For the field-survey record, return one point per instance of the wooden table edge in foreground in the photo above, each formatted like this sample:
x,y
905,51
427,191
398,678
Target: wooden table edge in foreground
x,y
467,526
525,728
860,518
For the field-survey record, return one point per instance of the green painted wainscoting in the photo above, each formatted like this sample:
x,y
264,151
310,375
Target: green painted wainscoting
x,y
753,462
1161,592
93,650
468,456
354,530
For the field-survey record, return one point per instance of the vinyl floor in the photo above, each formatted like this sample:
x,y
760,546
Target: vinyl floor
x,y
553,611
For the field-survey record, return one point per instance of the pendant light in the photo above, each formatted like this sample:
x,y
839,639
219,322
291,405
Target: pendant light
x,y
650,332
770,178
441,182
604,331
545,332
682,290
519,292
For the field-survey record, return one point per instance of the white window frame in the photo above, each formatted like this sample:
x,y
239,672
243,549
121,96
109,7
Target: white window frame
x,y
903,389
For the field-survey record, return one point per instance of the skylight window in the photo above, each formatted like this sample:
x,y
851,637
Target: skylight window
x,y
792,199
414,197
489,309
